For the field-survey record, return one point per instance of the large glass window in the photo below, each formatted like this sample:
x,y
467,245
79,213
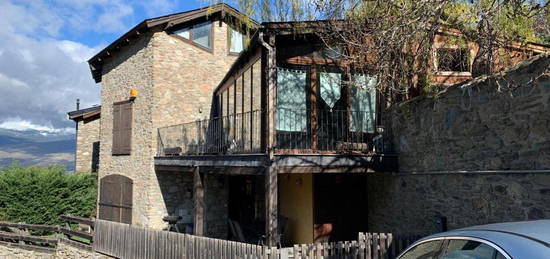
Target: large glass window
x,y
236,41
363,103
291,100
330,85
202,33
184,33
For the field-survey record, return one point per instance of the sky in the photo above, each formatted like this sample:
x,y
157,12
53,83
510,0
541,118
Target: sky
x,y
44,48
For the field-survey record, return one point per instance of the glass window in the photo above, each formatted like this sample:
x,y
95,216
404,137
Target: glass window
x,y
202,33
330,87
455,60
363,103
427,250
184,33
236,41
291,100
336,52
465,249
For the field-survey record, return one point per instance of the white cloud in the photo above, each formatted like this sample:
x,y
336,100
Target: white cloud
x,y
40,79
23,125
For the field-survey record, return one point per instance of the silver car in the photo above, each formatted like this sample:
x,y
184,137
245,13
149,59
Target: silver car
x,y
511,240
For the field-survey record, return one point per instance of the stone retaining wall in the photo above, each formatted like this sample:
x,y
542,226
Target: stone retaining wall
x,y
471,127
476,126
414,204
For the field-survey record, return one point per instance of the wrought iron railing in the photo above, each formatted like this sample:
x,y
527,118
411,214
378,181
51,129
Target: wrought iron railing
x,y
324,130
301,131
232,134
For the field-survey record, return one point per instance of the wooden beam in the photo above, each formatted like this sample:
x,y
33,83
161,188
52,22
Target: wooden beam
x,y
198,194
78,220
272,93
271,191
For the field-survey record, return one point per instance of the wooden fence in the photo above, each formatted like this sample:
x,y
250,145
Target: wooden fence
x,y
22,235
127,241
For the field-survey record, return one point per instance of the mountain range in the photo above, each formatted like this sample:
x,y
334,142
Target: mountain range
x,y
34,147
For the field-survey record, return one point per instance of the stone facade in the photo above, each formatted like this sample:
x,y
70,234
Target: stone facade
x,y
175,81
472,155
87,138
475,126
414,204
216,196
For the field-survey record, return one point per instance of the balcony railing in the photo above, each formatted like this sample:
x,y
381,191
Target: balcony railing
x,y
232,134
324,130
297,131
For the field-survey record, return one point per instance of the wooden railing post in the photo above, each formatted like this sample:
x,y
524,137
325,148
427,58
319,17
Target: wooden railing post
x,y
198,194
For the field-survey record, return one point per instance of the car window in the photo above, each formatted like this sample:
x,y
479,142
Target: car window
x,y
427,250
469,249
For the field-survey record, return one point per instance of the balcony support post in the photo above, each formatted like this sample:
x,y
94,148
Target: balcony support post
x,y
198,199
271,214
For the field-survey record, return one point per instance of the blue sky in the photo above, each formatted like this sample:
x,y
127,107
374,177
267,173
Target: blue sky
x,y
44,46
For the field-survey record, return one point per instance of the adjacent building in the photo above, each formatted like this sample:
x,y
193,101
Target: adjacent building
x,y
87,138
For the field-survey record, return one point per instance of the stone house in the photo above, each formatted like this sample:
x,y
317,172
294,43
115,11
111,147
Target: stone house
x,y
87,138
268,140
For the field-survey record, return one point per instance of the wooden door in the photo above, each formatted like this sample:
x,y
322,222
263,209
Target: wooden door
x,y
115,198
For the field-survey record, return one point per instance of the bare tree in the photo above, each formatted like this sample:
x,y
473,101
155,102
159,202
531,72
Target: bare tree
x,y
394,39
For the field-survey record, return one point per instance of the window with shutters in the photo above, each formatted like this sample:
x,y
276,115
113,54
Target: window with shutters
x,y
122,128
115,198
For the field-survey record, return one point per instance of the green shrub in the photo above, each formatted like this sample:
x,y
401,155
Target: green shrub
x,y
40,195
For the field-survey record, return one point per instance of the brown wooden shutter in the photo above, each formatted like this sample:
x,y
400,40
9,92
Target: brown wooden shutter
x,y
115,198
122,128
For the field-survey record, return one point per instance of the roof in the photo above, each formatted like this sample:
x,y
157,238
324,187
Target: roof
x,y
164,22
85,113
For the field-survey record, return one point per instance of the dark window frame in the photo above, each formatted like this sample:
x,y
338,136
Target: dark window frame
x,y
118,148
191,36
463,52
229,34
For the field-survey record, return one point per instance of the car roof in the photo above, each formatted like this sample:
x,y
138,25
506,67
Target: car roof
x,y
526,239
539,230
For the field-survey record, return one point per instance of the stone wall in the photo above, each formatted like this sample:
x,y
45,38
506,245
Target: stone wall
x,y
87,135
414,204
175,80
473,155
475,126
216,210
184,79
131,67
177,194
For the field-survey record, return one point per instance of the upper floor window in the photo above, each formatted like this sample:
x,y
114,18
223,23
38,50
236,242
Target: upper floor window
x,y
236,41
200,34
453,60
122,128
